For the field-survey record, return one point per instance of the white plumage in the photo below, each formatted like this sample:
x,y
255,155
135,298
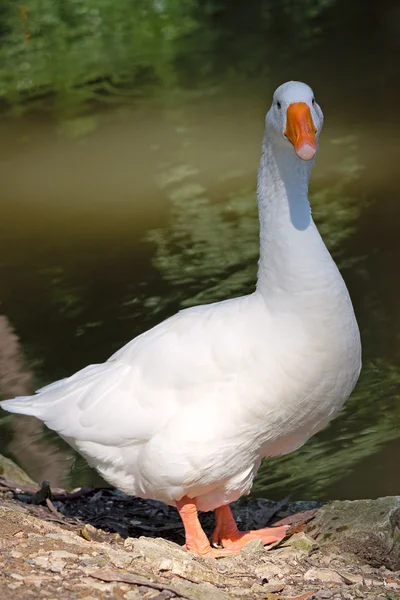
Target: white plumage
x,y
191,407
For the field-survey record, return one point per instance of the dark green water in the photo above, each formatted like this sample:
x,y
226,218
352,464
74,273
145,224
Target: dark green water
x,y
128,192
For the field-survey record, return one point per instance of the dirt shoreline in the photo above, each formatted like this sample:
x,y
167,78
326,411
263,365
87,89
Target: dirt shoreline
x,y
101,544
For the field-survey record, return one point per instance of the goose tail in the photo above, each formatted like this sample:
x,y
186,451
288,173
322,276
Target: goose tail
x,y
23,405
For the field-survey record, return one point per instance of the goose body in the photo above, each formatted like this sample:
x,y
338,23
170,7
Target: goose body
x,y
189,409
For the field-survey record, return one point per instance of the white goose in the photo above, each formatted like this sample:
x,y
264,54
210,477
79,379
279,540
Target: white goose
x,y
186,412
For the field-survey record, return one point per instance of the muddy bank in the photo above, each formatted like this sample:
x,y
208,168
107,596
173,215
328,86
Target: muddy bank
x,y
100,544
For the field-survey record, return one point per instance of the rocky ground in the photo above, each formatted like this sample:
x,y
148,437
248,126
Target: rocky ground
x,y
100,544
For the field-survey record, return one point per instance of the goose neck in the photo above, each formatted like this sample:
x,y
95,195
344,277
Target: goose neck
x,y
291,250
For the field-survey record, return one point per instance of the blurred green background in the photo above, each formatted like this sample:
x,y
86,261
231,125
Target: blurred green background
x,y
130,135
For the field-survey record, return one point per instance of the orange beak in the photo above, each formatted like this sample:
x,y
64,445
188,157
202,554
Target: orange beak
x,y
300,130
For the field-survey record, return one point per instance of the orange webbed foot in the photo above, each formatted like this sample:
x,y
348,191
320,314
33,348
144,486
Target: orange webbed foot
x,y
227,534
196,540
268,535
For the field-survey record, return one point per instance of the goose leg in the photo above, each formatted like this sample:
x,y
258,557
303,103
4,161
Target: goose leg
x,y
227,534
196,540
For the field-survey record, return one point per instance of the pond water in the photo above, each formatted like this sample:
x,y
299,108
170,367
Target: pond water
x,y
114,215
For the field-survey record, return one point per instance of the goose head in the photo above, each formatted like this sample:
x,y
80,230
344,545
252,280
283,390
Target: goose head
x,y
295,119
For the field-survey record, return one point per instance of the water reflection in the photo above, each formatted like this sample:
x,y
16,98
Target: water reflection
x,y
38,456
210,247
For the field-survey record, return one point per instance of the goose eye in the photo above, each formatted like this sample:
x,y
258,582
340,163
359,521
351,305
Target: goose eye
x,y
313,101
278,104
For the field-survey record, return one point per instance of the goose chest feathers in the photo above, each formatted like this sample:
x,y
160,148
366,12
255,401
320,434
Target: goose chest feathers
x,y
185,412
